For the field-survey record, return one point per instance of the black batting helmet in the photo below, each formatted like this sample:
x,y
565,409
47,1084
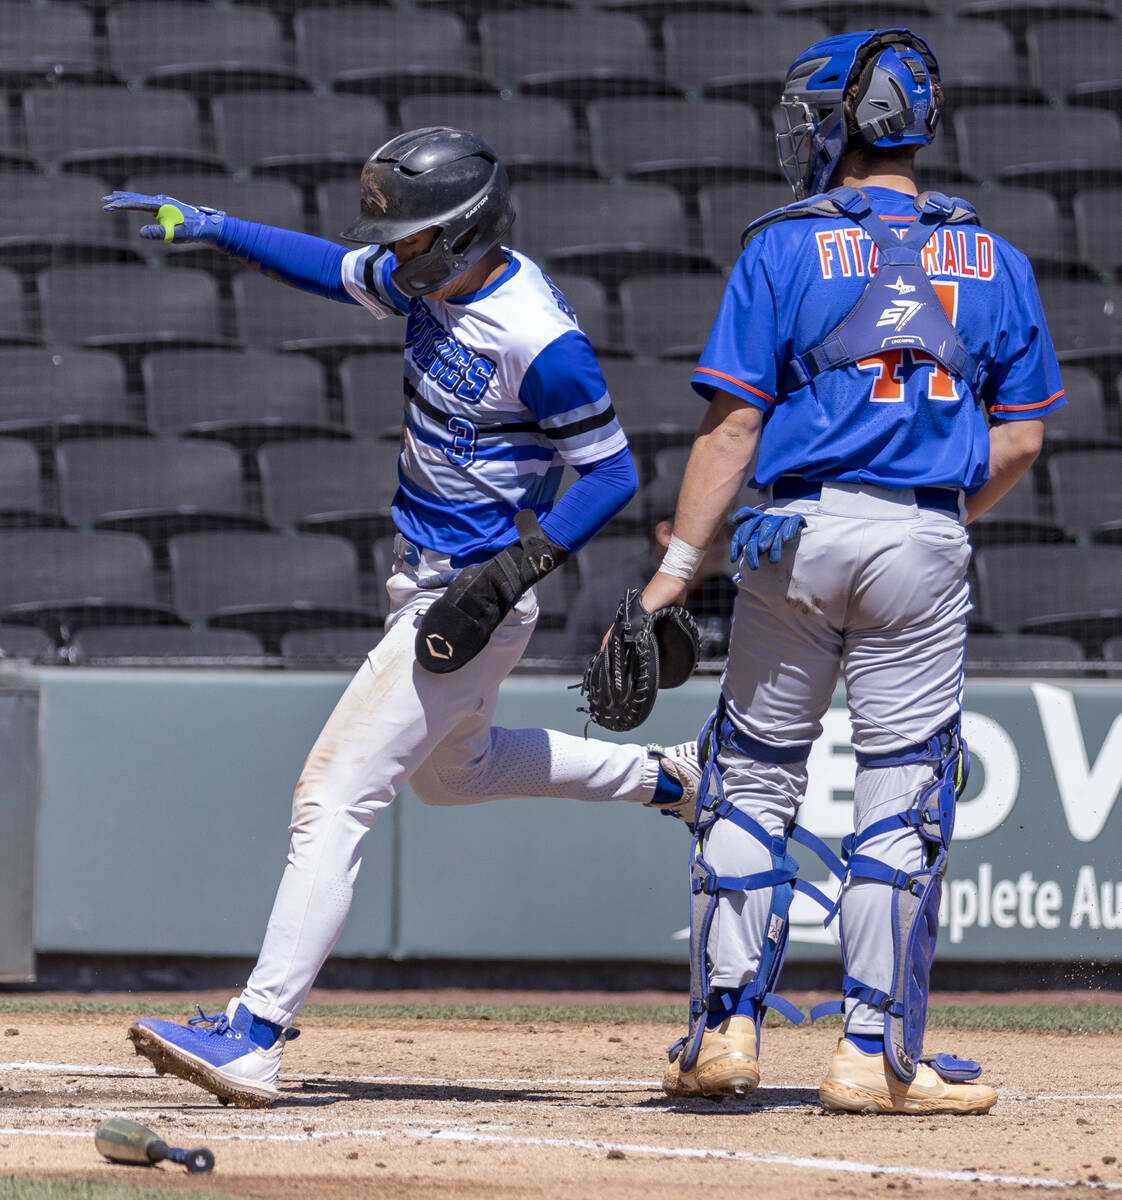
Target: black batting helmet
x,y
442,178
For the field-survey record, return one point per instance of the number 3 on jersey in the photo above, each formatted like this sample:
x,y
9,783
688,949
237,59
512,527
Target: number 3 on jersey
x,y
896,368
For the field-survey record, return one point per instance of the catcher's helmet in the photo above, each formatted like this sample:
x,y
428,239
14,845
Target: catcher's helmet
x,y
447,179
895,105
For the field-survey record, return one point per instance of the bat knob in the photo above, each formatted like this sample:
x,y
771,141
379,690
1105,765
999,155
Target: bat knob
x,y
199,1160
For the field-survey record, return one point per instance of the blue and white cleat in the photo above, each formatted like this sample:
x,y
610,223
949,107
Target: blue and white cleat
x,y
237,1058
681,765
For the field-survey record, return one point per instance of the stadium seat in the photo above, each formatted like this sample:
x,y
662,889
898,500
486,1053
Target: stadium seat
x,y
13,154
1085,321
21,489
372,386
48,44
161,44
978,64
1098,231
1067,590
113,132
727,209
655,405
387,52
1082,423
155,487
679,142
607,550
1022,515
296,136
267,583
575,56
606,230
1087,493
53,394
847,15
328,649
535,136
735,55
61,580
1029,218
556,593
1023,654
163,646
1018,15
669,316
1040,147
14,326
129,309
1112,649
245,398
58,219
343,488
273,316
23,643
1083,65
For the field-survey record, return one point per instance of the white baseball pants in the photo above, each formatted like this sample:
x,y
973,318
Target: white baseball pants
x,y
397,723
876,588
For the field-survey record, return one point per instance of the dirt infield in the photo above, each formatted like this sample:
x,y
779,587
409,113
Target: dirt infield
x,y
474,1108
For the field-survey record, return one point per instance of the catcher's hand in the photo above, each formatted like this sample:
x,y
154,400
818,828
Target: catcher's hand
x,y
756,531
460,623
642,652
175,221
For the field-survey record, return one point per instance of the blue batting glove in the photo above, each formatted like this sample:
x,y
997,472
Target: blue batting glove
x,y
175,221
756,531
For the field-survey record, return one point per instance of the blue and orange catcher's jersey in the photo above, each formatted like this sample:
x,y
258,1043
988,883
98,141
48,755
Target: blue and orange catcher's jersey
x,y
897,419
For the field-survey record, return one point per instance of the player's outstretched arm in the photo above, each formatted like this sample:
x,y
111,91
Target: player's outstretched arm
x,y
309,263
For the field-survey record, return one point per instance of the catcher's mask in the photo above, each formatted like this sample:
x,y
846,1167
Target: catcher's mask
x,y
438,178
894,70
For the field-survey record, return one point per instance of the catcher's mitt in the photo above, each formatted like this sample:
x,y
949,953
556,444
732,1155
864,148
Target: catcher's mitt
x,y
644,651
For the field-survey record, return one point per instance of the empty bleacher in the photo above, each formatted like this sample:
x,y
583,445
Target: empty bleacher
x,y
197,464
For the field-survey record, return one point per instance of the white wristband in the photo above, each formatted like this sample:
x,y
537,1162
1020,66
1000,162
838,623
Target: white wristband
x,y
681,559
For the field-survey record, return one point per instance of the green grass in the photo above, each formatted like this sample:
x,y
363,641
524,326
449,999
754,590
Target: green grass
x,y
13,1188
1043,1018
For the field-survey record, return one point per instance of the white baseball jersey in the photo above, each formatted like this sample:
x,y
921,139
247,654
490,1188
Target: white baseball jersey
x,y
502,389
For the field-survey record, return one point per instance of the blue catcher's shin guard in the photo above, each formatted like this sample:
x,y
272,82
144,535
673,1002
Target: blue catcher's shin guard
x,y
916,895
706,887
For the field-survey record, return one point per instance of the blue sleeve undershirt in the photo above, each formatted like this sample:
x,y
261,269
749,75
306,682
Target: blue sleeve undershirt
x,y
603,488
310,263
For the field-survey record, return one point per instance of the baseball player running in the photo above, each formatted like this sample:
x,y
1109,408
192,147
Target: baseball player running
x,y
502,389
890,360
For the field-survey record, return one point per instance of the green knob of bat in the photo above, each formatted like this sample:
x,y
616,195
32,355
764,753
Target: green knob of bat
x,y
169,217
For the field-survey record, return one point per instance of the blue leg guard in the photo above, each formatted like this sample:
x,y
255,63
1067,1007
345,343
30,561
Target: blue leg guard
x,y
915,906
706,886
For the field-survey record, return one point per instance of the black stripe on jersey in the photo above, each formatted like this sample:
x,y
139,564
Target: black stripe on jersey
x,y
442,418
560,432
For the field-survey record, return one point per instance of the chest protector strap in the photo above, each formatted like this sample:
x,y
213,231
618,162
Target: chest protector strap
x,y
899,309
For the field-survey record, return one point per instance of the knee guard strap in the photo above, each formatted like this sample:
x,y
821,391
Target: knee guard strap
x,y
916,896
705,889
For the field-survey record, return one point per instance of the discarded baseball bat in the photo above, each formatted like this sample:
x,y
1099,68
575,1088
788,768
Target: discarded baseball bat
x,y
123,1141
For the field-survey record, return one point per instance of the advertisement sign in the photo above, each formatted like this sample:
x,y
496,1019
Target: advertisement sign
x,y
1036,864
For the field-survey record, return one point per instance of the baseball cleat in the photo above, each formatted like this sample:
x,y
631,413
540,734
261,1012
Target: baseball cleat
x,y
236,1059
864,1083
679,763
725,1066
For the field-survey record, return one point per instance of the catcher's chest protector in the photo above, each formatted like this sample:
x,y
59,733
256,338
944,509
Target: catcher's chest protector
x,y
899,309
